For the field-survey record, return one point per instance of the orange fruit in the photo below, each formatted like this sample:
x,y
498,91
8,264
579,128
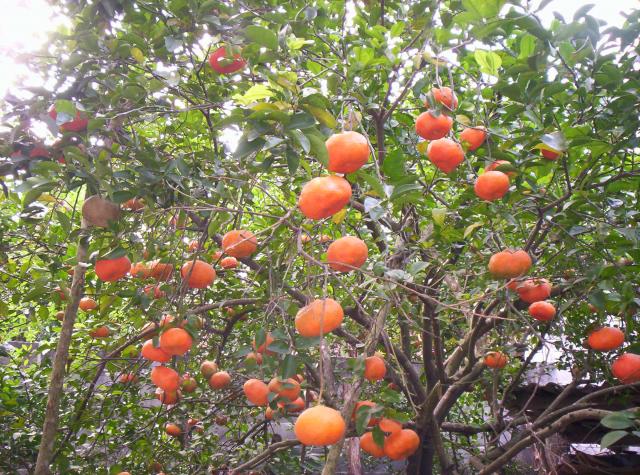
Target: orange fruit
x,y
110,270
173,430
347,253
168,397
175,341
491,186
78,124
626,368
229,263
127,378
473,137
154,291
296,405
100,332
268,414
167,320
493,165
257,392
534,290
543,311
199,274
325,314
369,445
605,339
140,270
133,204
208,369
509,264
268,339
389,425
87,303
220,380
60,315
374,368
401,444
152,353
445,96
255,357
445,154
319,425
189,383
348,151
495,359
221,419
165,378
289,389
324,196
431,125
372,420
193,245
222,63
160,270
550,154
239,243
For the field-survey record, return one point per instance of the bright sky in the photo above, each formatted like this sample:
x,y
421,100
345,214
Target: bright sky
x,y
24,25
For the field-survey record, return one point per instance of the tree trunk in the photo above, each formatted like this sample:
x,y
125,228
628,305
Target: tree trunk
x,y
421,462
50,427
353,456
353,391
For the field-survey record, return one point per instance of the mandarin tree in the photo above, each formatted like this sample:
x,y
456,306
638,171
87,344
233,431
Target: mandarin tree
x,y
381,219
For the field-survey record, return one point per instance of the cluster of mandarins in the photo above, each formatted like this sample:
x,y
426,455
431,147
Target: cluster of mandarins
x,y
321,198
446,154
534,291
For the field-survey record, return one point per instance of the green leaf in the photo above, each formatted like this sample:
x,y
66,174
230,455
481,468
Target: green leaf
x,y
322,115
378,436
398,191
438,215
293,160
318,146
470,229
246,148
253,94
289,367
612,437
64,220
489,61
260,338
301,139
66,107
618,420
363,415
301,120
483,8
136,53
527,46
262,36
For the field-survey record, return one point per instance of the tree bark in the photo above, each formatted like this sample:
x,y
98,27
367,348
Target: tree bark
x,y
421,462
51,420
353,456
353,391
